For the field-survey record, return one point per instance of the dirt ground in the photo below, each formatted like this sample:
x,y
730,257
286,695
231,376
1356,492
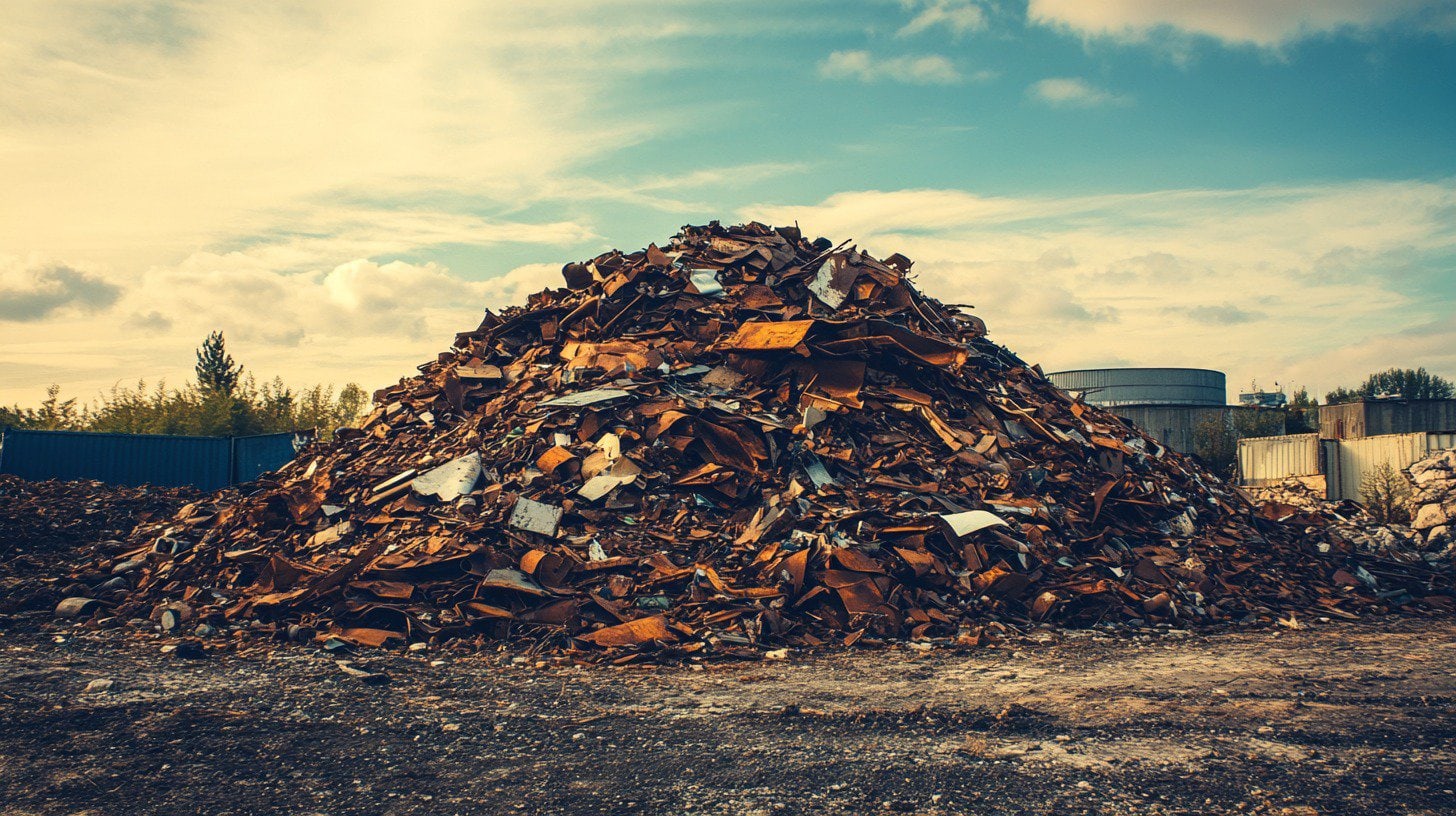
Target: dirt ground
x,y
1339,719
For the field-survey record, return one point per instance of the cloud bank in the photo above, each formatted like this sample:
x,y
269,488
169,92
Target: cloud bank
x,y
1260,23
1074,92
931,69
32,291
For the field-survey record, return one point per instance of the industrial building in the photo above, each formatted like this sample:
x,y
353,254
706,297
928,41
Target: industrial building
x,y
1110,387
1176,406
1353,420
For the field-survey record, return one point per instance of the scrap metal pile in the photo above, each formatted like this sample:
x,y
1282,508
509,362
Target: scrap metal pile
x,y
740,441
50,523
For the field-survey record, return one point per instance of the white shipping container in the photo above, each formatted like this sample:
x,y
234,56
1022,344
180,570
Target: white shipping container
x,y
1269,460
1360,456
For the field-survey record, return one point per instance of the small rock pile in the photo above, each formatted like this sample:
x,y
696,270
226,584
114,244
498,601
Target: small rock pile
x,y
1345,520
1433,504
50,525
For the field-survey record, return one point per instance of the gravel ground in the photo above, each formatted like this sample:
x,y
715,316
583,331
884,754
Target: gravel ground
x,y
1340,719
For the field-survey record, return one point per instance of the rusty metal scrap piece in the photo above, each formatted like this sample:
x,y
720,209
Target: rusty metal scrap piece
x,y
834,281
769,336
633,633
740,441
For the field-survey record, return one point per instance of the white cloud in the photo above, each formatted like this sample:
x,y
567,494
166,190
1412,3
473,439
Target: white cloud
x,y
959,17
138,130
361,320
931,69
1072,92
1261,23
32,290
1430,343
1252,282
652,191
322,235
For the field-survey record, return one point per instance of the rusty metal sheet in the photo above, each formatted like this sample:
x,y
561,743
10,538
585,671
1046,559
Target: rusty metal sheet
x,y
766,336
632,633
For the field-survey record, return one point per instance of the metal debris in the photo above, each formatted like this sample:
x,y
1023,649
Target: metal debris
x,y
852,463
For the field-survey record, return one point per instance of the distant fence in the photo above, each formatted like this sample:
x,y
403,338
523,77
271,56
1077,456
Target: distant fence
x,y
207,462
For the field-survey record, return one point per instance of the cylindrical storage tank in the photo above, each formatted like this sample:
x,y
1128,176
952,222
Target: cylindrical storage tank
x,y
1145,386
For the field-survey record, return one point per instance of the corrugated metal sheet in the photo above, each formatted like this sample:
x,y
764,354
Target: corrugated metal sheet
x,y
135,459
255,455
1360,456
1440,441
1334,466
1270,459
1172,425
1145,386
1343,421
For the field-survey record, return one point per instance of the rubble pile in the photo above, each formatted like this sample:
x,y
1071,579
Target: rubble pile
x,y
46,526
1295,492
1292,501
1433,501
740,441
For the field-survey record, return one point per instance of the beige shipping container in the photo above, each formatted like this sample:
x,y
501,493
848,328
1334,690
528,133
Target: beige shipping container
x,y
1353,458
1268,460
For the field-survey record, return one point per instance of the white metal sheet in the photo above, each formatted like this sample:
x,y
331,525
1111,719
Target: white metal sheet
x,y
1271,459
450,480
963,524
536,517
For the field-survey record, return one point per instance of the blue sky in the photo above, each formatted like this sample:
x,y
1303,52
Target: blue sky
x,y
1267,188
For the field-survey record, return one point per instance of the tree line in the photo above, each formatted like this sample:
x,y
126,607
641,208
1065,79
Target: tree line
x,y
1404,383
224,400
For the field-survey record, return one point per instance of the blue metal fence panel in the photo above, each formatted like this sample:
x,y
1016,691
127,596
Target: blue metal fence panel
x,y
125,459
206,462
255,455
